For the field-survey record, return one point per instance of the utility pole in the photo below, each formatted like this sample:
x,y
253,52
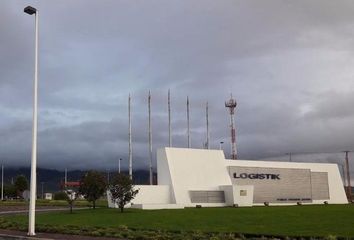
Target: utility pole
x,y
150,138
169,120
188,126
207,126
349,188
130,140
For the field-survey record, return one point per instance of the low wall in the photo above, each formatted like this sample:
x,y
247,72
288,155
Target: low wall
x,y
148,194
152,194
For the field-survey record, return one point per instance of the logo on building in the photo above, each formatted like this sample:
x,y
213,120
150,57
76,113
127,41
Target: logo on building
x,y
257,176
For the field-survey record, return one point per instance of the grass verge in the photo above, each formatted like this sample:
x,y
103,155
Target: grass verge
x,y
207,223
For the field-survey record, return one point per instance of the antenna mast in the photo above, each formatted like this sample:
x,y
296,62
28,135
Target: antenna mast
x,y
231,105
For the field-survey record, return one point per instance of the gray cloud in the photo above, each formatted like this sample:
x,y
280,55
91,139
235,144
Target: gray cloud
x,y
288,64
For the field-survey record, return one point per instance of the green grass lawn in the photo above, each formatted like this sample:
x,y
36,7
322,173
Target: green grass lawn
x,y
320,220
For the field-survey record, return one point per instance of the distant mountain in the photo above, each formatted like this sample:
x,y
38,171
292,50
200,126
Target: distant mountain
x,y
51,179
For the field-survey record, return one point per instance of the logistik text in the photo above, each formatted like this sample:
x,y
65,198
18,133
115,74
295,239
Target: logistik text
x,y
257,176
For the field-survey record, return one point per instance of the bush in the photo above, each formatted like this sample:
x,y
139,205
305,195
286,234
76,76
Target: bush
x,y
60,196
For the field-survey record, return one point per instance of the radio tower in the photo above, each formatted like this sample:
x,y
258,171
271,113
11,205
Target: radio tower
x,y
231,105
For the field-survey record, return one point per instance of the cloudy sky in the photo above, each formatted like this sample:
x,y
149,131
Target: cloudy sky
x,y
289,64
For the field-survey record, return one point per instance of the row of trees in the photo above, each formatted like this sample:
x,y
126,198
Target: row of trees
x,y
93,185
16,189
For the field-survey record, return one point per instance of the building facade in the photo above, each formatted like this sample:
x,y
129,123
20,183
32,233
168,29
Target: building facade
x,y
190,177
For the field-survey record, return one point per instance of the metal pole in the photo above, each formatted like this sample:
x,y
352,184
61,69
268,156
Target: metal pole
x,y
150,138
65,176
2,182
42,190
343,174
169,120
119,165
207,126
188,128
130,140
32,204
220,144
233,138
289,156
349,188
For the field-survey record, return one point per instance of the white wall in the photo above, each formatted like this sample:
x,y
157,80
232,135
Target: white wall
x,y
148,194
163,173
191,169
233,196
152,194
243,201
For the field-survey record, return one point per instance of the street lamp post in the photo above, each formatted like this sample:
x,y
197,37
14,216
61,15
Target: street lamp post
x,y
42,183
119,165
32,205
289,156
220,145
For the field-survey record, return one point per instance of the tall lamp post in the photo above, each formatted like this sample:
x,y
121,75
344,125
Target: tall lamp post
x,y
32,205
289,156
220,145
42,183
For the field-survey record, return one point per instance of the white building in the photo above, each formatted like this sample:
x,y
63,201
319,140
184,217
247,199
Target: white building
x,y
48,196
190,177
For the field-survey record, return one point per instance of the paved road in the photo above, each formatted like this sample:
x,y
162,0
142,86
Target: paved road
x,y
12,235
42,209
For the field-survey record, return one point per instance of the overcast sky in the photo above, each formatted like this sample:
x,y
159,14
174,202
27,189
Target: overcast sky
x,y
289,65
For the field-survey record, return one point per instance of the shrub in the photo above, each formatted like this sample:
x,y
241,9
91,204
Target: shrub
x,y
60,196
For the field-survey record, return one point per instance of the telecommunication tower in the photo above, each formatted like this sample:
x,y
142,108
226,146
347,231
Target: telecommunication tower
x,y
231,105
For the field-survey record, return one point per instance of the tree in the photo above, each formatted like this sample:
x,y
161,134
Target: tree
x,y
72,196
10,191
92,186
21,184
122,190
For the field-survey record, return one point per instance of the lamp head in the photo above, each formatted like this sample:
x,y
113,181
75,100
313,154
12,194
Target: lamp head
x,y
30,10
